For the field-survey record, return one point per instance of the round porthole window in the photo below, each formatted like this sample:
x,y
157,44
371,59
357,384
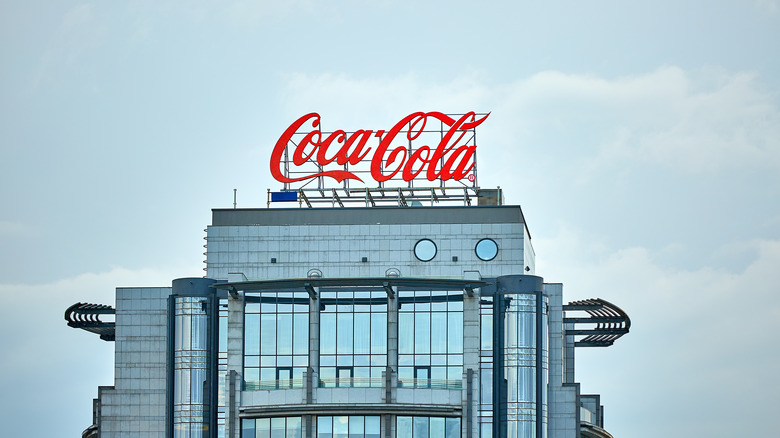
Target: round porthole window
x,y
425,250
486,249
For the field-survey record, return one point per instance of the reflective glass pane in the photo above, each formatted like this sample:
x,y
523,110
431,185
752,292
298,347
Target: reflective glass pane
x,y
486,430
452,428
284,330
268,334
438,332
486,335
372,427
340,427
437,427
422,333
328,333
252,334
344,333
455,332
527,335
486,249
277,428
301,333
379,333
325,427
403,427
486,383
263,426
356,427
425,250
294,427
420,425
405,333
454,373
248,428
362,333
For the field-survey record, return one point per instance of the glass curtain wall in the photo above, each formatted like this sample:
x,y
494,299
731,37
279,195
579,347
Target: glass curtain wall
x,y
485,411
276,340
189,367
348,427
353,338
278,427
427,427
520,365
222,366
430,339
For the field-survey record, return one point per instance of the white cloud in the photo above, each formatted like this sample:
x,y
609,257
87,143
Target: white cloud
x,y
707,121
701,343
42,356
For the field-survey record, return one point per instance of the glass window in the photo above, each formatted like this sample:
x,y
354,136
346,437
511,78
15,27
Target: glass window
x,y
427,427
430,334
276,334
425,250
353,335
340,427
403,427
348,427
325,427
486,249
278,429
263,428
420,427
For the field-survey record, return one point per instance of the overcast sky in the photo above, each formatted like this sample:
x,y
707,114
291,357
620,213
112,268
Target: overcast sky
x,y
641,138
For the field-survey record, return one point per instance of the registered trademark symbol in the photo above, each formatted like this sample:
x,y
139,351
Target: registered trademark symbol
x,y
472,178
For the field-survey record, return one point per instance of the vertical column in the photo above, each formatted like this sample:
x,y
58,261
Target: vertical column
x,y
312,381
471,345
391,372
235,365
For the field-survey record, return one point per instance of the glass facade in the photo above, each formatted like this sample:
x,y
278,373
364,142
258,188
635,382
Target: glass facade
x,y
222,366
277,427
276,340
523,353
485,410
189,367
427,427
353,338
430,339
353,341
348,427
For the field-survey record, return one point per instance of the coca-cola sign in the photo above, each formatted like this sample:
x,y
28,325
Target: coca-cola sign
x,y
304,152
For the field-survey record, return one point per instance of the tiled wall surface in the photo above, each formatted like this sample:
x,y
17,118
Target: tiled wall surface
x,y
136,405
337,250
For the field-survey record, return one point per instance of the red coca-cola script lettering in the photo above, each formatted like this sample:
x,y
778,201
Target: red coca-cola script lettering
x,y
448,160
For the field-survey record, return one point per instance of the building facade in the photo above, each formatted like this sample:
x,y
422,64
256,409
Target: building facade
x,y
408,322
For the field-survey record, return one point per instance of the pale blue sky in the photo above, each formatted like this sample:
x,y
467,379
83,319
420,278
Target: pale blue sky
x,y
641,138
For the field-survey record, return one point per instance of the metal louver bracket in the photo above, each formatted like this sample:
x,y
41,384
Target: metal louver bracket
x,y
87,317
610,320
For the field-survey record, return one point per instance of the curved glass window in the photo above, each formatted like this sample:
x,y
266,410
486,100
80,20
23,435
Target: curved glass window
x,y
486,249
425,250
